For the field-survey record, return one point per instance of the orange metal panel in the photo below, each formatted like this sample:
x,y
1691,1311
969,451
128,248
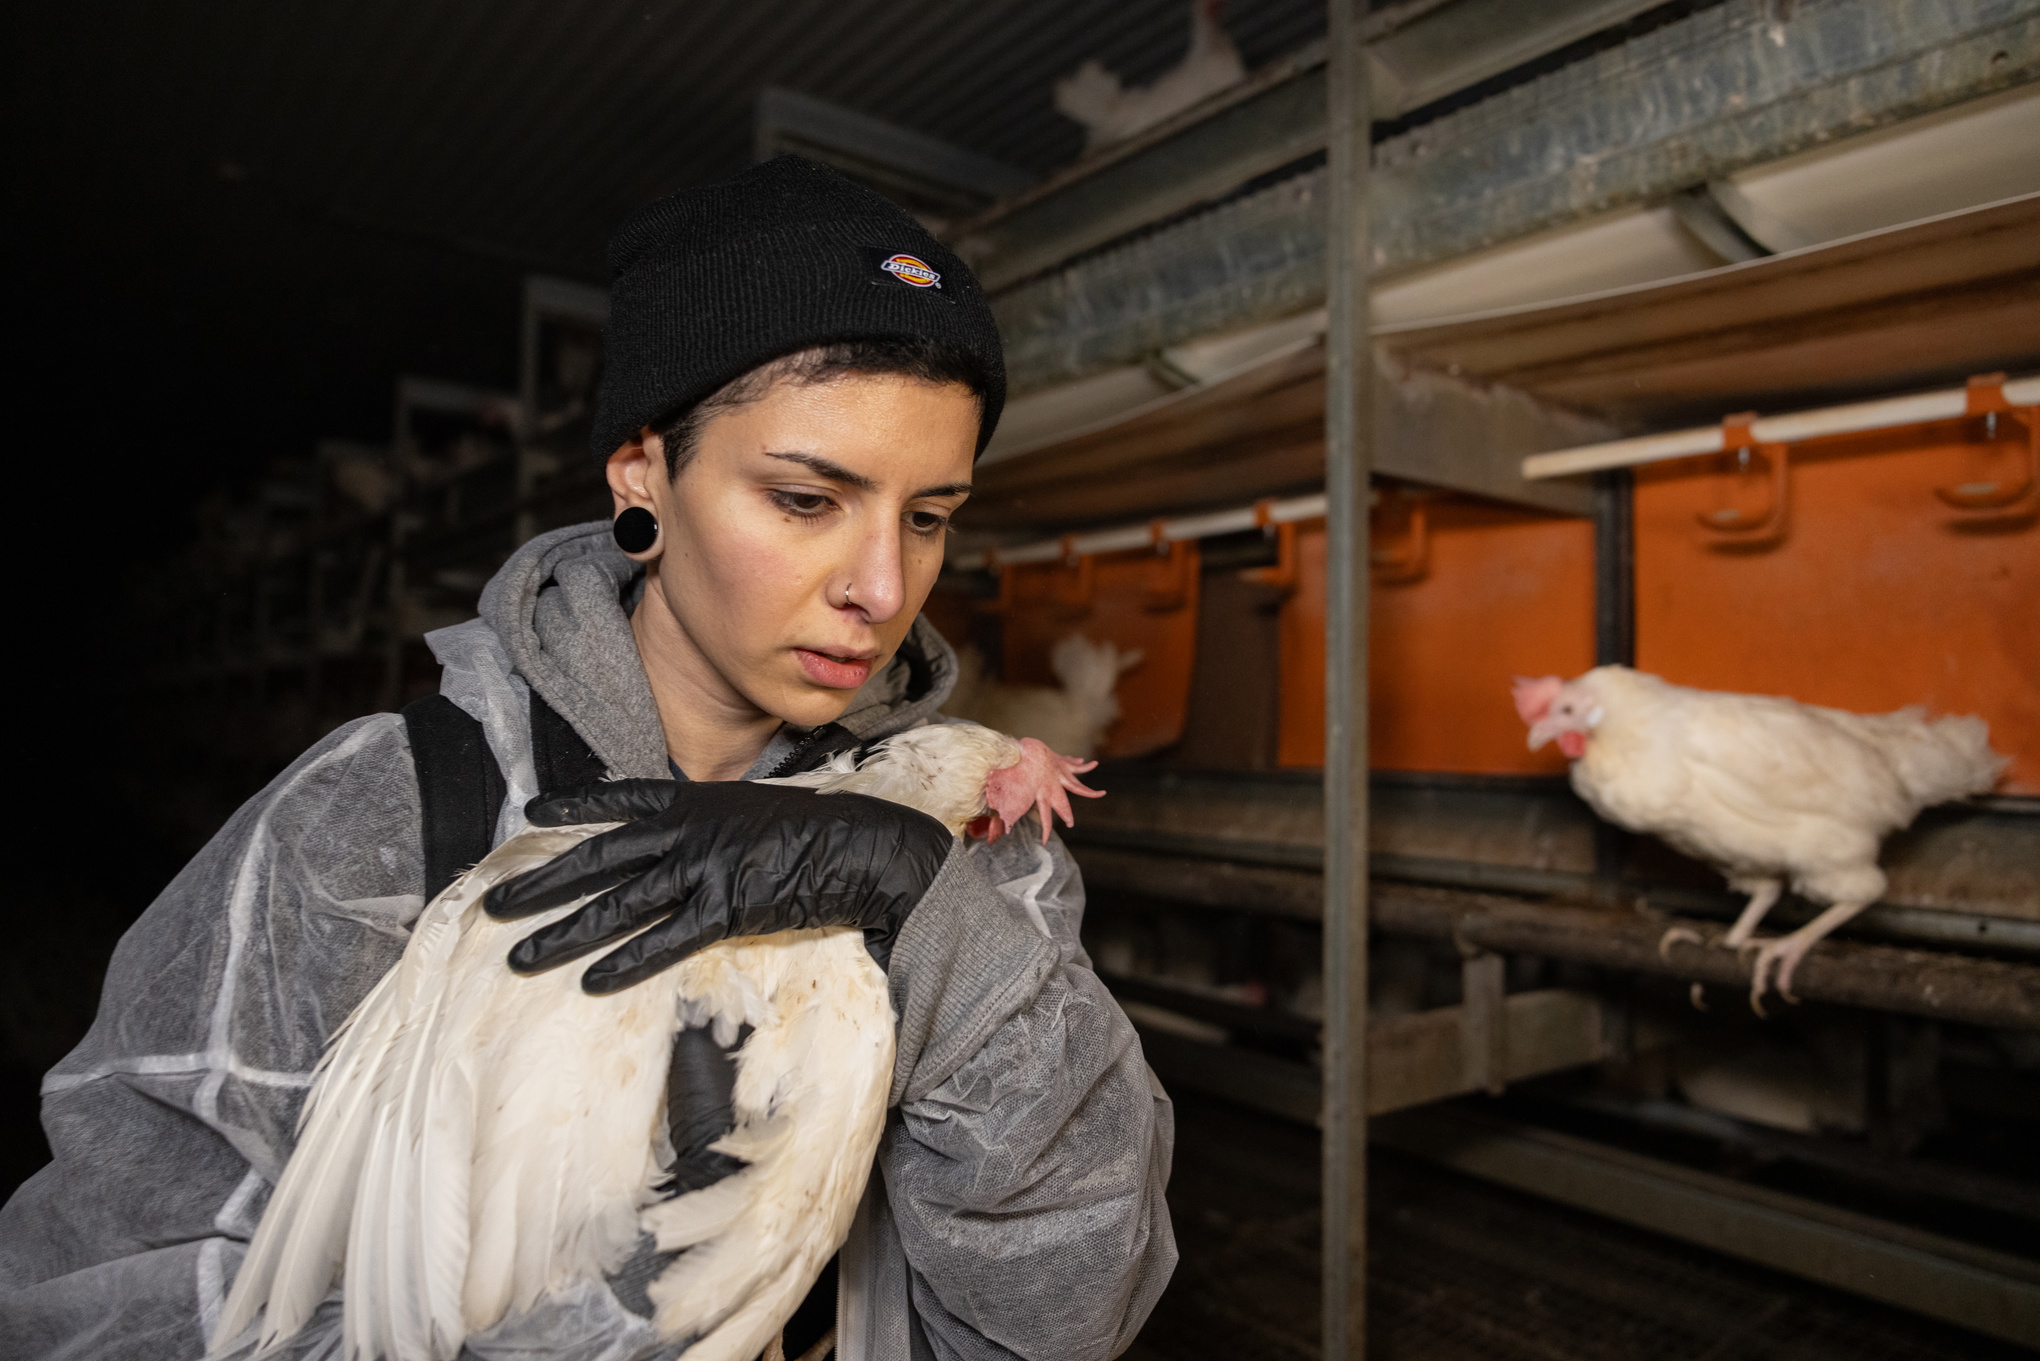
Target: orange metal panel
x,y
1871,594
952,613
1487,593
1140,600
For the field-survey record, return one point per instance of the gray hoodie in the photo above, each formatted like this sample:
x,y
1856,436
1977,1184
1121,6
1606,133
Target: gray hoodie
x,y
1019,1207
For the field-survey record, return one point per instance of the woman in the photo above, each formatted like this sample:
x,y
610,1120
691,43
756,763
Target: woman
x,y
800,380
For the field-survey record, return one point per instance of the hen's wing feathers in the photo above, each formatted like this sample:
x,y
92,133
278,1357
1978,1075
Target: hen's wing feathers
x,y
298,1247
434,1164
1765,758
810,1104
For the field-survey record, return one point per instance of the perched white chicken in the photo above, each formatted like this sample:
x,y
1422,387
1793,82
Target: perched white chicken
x,y
1766,790
475,1139
1071,719
1094,97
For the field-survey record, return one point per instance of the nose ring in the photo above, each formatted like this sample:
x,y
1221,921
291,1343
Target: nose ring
x,y
846,595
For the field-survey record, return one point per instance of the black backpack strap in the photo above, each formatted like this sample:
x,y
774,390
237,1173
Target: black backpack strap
x,y
564,761
460,788
830,739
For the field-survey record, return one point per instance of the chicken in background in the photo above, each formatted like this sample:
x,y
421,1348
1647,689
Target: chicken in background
x,y
1112,113
1766,790
1071,719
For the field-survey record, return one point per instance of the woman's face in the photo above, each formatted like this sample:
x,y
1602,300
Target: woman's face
x,y
801,540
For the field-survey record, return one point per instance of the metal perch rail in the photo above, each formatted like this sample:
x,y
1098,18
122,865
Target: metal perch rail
x,y
1989,396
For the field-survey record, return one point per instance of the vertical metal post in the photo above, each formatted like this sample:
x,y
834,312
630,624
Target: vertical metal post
x,y
1349,373
1614,635
1614,569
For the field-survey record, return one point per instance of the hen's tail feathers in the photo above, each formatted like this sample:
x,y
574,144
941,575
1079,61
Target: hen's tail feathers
x,y
1941,759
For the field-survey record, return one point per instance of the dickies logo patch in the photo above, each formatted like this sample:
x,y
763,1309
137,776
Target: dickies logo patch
x,y
909,269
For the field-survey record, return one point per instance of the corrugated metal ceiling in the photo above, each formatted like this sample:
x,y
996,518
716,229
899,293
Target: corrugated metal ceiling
x,y
525,128
233,223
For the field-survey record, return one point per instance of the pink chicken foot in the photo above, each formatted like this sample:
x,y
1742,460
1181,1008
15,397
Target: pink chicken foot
x,y
1041,782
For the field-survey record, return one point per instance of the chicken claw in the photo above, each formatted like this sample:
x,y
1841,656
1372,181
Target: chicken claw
x,y
1041,781
1696,994
1677,933
1784,955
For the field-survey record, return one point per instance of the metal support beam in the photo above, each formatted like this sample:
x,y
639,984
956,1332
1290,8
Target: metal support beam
x,y
1935,984
1262,879
1614,632
1274,117
1484,1022
1960,876
1349,423
920,171
1614,569
1412,1060
1731,86
1726,88
1991,1292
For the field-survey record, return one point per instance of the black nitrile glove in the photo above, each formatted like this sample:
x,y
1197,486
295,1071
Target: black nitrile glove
x,y
700,862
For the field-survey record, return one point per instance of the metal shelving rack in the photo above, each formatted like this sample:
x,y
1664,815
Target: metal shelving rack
x,y
1083,282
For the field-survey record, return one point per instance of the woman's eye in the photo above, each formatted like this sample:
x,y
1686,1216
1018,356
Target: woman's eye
x,y
808,505
926,522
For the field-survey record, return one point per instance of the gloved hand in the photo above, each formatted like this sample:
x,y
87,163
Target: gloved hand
x,y
710,860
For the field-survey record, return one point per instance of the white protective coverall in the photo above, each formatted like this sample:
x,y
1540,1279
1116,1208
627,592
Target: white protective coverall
x,y
1019,1211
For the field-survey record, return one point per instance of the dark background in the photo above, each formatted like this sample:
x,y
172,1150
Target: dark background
x,y
231,226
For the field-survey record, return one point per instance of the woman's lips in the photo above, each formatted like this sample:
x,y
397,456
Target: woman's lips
x,y
835,673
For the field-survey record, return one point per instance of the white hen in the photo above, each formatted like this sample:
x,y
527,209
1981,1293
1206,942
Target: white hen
x,y
475,1140
1766,790
1112,113
1072,718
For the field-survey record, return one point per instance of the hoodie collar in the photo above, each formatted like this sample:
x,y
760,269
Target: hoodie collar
x,y
561,607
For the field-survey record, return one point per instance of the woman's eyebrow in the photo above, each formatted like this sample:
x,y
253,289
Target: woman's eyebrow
x,y
823,467
836,472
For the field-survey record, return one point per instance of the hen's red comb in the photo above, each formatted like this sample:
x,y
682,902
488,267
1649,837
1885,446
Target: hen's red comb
x,y
1533,697
1041,781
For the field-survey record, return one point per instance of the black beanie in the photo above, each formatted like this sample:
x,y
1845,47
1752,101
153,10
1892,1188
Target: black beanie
x,y
708,284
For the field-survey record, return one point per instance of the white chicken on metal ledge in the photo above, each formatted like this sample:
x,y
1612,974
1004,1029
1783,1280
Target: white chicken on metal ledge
x,y
1767,790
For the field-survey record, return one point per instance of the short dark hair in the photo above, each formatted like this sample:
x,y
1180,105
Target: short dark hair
x,y
916,357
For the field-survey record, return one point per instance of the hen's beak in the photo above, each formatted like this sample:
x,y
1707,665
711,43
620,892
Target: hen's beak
x,y
1542,731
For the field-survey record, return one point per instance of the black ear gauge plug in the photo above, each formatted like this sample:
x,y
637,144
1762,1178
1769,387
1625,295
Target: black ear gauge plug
x,y
636,530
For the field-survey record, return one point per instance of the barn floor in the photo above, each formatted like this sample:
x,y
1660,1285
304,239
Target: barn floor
x,y
1464,1269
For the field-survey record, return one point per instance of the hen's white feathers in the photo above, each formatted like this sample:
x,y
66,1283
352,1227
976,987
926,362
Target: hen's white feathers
x,y
1762,786
1767,790
810,1093
939,769
475,1139
1111,112
1071,718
